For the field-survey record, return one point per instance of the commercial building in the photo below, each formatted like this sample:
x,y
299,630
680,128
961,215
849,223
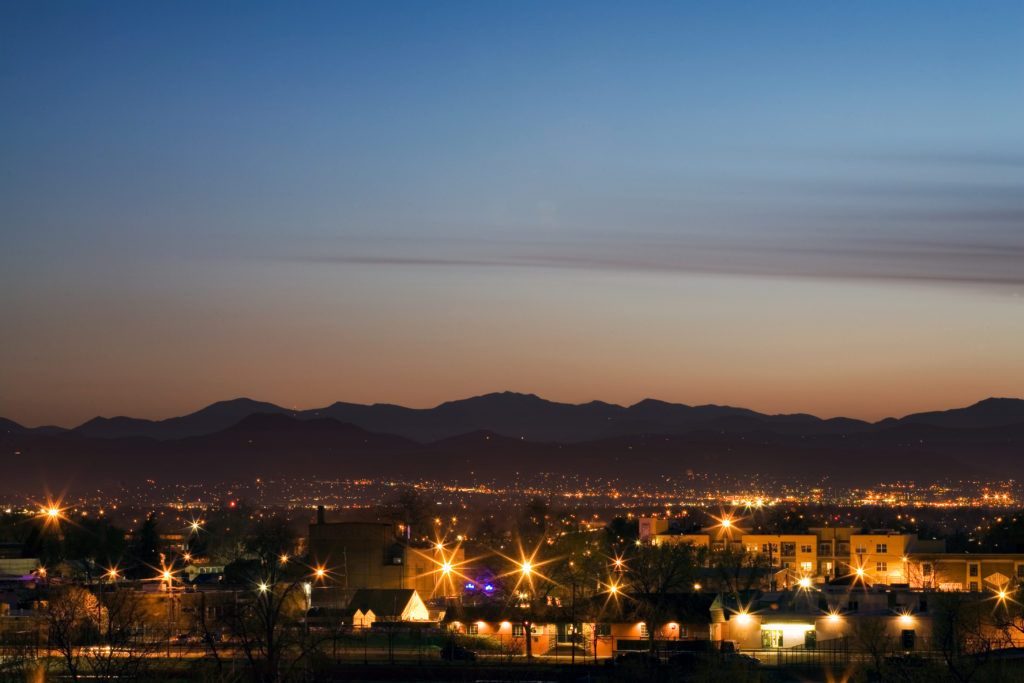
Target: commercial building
x,y
351,556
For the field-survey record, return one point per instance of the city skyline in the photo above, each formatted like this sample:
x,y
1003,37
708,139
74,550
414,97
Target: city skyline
x,y
795,208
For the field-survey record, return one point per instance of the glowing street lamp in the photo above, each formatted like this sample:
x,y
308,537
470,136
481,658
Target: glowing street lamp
x,y
727,524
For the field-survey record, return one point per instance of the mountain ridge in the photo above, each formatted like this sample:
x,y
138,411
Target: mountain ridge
x,y
531,417
278,444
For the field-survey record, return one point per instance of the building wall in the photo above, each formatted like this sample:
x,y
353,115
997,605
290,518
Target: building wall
x,y
544,635
883,557
356,554
966,572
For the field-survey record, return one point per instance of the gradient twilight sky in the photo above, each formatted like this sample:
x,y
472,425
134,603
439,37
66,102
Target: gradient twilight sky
x,y
787,206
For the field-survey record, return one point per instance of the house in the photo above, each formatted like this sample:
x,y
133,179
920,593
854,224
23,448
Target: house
x,y
601,628
369,606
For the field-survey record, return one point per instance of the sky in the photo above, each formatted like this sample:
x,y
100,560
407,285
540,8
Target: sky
x,y
790,207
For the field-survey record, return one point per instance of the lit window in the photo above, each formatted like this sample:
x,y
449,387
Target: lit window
x,y
643,631
472,629
806,567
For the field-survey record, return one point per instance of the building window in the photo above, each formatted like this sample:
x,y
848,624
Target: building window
x,y
644,633
789,549
769,548
472,629
518,630
974,586
972,570
860,549
926,569
852,606
807,567
881,566
881,547
824,549
907,638
1020,571
807,548
602,630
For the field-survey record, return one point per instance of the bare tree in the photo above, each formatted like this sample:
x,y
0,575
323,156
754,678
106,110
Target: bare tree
x,y
869,634
964,632
73,614
268,620
740,570
122,648
657,571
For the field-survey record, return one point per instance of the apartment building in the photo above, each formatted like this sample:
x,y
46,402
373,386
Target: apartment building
x,y
819,554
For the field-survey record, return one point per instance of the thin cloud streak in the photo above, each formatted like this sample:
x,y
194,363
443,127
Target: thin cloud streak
x,y
989,264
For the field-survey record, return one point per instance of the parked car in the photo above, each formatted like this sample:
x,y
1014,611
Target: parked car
x,y
454,652
636,659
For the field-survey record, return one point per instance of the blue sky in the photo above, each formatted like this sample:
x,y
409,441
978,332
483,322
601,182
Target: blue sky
x,y
303,203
